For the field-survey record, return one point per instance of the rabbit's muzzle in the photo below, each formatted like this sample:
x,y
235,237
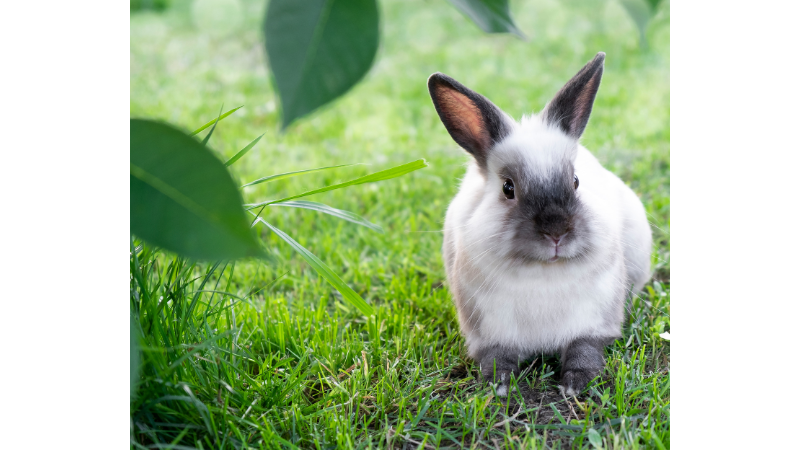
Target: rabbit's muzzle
x,y
554,222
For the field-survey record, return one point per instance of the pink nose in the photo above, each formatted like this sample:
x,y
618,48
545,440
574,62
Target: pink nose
x,y
555,239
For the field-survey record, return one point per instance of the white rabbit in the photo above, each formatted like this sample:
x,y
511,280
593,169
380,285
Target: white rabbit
x,y
542,245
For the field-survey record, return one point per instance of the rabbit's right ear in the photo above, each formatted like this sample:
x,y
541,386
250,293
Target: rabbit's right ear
x,y
474,122
572,105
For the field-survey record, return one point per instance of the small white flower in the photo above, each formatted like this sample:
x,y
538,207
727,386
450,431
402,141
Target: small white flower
x,y
665,335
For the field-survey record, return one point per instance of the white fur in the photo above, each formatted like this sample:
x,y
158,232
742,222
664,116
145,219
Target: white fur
x,y
569,391
543,147
502,386
540,306
502,390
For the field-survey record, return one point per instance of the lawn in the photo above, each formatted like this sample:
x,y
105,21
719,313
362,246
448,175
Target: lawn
x,y
265,354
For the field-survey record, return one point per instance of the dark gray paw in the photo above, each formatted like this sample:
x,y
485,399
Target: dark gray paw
x,y
581,361
574,381
497,364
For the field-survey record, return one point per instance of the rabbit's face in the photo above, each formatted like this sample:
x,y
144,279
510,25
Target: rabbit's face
x,y
530,207
532,181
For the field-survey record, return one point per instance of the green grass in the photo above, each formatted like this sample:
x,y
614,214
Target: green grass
x,y
265,354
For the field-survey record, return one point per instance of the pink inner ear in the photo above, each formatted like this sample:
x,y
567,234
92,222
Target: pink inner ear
x,y
465,116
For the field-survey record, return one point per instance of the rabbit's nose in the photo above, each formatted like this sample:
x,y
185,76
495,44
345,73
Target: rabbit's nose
x,y
555,238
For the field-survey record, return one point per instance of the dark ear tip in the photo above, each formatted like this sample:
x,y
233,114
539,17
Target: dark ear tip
x,y
598,60
437,78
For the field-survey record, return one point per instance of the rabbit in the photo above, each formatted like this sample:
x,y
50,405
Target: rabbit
x,y
542,245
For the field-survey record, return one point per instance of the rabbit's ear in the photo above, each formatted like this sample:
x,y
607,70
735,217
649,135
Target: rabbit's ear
x,y
572,105
474,122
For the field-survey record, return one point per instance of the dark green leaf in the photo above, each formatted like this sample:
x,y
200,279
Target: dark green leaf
x,y
215,120
324,271
641,11
653,4
323,208
243,151
281,176
318,49
492,16
182,197
377,176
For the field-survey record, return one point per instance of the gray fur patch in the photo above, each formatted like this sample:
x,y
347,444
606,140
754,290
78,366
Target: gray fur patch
x,y
546,204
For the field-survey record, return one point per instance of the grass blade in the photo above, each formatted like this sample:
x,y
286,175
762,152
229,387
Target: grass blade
x,y
657,441
377,176
208,136
558,414
215,120
281,176
324,271
340,213
208,343
243,151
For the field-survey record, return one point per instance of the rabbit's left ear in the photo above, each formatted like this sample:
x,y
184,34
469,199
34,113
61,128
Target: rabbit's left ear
x,y
570,108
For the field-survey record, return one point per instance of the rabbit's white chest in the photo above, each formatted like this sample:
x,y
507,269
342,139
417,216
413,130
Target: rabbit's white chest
x,y
544,307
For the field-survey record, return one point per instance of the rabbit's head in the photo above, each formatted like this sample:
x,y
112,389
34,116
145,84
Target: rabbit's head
x,y
531,205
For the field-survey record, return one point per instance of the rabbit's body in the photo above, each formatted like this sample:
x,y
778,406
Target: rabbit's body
x,y
535,306
535,263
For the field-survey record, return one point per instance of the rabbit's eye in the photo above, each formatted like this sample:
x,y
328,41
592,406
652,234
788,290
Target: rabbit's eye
x,y
508,189
576,182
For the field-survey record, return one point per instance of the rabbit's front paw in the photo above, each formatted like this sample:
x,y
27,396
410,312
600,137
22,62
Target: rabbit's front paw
x,y
497,367
502,383
574,381
581,361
